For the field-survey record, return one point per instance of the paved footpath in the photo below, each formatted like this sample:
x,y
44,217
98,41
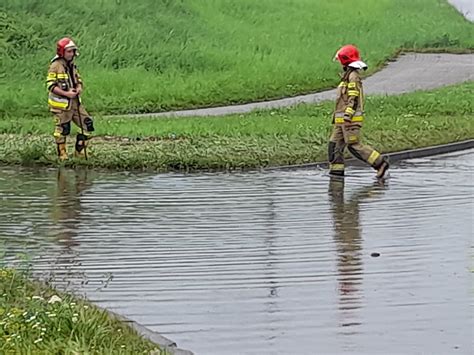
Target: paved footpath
x,y
410,72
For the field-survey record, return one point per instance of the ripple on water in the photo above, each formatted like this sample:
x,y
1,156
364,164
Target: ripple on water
x,y
261,263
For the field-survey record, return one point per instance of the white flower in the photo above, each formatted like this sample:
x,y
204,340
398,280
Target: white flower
x,y
38,340
74,319
54,299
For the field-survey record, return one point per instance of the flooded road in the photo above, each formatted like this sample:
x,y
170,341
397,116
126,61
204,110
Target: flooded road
x,y
263,262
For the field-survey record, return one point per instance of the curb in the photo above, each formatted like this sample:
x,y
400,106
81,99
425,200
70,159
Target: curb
x,y
156,338
429,151
393,157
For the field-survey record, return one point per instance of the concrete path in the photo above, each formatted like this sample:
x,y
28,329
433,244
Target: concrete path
x,y
465,7
410,72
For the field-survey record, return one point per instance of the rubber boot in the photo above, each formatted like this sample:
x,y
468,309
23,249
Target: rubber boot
x,y
335,169
382,169
81,146
62,152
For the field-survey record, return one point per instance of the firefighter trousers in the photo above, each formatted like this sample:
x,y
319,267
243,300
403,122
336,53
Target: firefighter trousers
x,y
76,114
348,135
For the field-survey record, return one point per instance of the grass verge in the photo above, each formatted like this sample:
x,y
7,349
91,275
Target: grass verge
x,y
267,138
35,319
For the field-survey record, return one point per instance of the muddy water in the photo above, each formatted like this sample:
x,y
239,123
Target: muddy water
x,y
261,263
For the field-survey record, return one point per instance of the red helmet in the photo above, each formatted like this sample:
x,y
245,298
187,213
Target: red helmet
x,y
347,55
63,44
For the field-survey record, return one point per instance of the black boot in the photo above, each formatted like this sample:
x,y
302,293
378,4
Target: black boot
x,y
335,169
382,168
81,145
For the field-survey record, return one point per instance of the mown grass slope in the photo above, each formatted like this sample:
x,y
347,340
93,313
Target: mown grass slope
x,y
154,55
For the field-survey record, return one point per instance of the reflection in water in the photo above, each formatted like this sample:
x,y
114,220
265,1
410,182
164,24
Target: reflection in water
x,y
66,210
271,274
347,235
260,263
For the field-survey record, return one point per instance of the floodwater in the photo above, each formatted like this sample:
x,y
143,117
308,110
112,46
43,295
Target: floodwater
x,y
277,262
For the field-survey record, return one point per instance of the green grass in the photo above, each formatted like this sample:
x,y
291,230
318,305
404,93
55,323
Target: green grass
x,y
154,55
259,139
30,323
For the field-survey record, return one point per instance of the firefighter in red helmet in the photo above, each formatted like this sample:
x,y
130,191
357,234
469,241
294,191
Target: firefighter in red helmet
x,y
65,86
348,117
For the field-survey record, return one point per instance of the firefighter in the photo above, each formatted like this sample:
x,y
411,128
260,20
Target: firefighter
x,y
65,86
348,117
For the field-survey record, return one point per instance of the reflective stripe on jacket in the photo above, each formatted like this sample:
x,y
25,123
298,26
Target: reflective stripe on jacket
x,y
64,76
350,98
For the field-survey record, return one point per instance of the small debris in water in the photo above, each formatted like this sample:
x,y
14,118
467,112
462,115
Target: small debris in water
x,y
375,255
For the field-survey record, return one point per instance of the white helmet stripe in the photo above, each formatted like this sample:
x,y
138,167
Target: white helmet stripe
x,y
358,64
71,44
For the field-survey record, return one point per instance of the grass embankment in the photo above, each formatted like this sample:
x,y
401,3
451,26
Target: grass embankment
x,y
35,320
267,138
160,55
